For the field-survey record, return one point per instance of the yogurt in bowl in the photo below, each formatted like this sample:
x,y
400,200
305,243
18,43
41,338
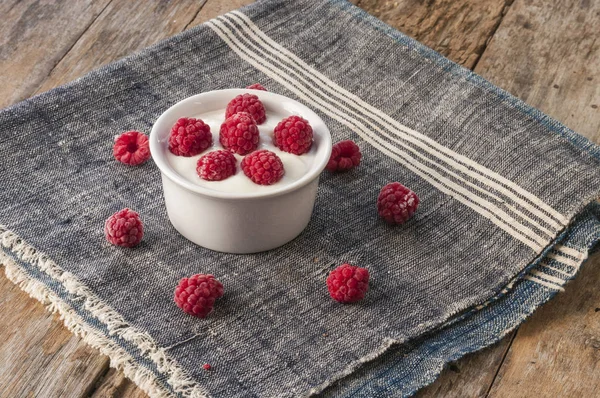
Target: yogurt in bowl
x,y
236,215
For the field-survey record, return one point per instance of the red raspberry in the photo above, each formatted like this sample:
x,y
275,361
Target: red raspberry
x,y
206,366
256,86
196,295
124,228
294,135
239,133
396,203
263,167
131,148
248,103
216,165
189,137
344,156
347,283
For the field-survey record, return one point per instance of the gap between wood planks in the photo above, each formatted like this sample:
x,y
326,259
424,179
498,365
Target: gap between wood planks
x,y
72,45
511,338
493,32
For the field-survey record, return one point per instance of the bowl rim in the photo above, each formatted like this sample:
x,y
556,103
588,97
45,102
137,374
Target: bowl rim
x,y
158,153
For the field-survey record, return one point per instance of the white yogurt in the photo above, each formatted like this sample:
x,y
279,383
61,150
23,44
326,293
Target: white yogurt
x,y
295,166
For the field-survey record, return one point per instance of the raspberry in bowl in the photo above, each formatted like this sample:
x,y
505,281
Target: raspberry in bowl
x,y
240,212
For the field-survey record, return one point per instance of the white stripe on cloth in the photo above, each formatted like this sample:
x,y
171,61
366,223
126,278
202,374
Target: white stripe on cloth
x,y
483,207
547,277
460,162
544,283
572,252
560,271
554,282
359,114
563,259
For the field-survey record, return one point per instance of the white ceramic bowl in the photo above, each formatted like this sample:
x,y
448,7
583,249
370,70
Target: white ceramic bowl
x,y
238,222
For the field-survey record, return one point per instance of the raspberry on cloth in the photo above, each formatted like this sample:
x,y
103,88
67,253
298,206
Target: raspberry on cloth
x,y
396,204
124,228
345,155
196,295
256,86
132,148
348,284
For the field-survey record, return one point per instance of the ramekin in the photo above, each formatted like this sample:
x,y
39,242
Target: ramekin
x,y
238,222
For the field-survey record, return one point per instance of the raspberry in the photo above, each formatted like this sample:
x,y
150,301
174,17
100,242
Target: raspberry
x,y
263,167
248,103
124,228
396,203
206,366
196,295
344,156
239,133
131,148
216,165
189,137
256,86
294,135
347,283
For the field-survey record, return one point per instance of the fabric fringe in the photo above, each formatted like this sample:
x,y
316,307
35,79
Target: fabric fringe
x,y
115,323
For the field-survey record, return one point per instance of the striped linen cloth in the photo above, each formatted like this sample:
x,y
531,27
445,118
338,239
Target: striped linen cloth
x,y
506,219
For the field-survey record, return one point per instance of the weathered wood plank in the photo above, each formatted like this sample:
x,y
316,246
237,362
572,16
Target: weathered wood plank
x,y
34,36
214,8
548,54
457,29
38,355
115,385
123,28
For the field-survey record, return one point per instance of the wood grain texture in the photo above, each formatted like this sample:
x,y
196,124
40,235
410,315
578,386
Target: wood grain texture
x,y
457,29
214,8
547,52
124,27
39,357
34,36
115,385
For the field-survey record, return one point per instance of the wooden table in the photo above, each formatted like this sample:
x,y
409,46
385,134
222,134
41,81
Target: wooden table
x,y
546,52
